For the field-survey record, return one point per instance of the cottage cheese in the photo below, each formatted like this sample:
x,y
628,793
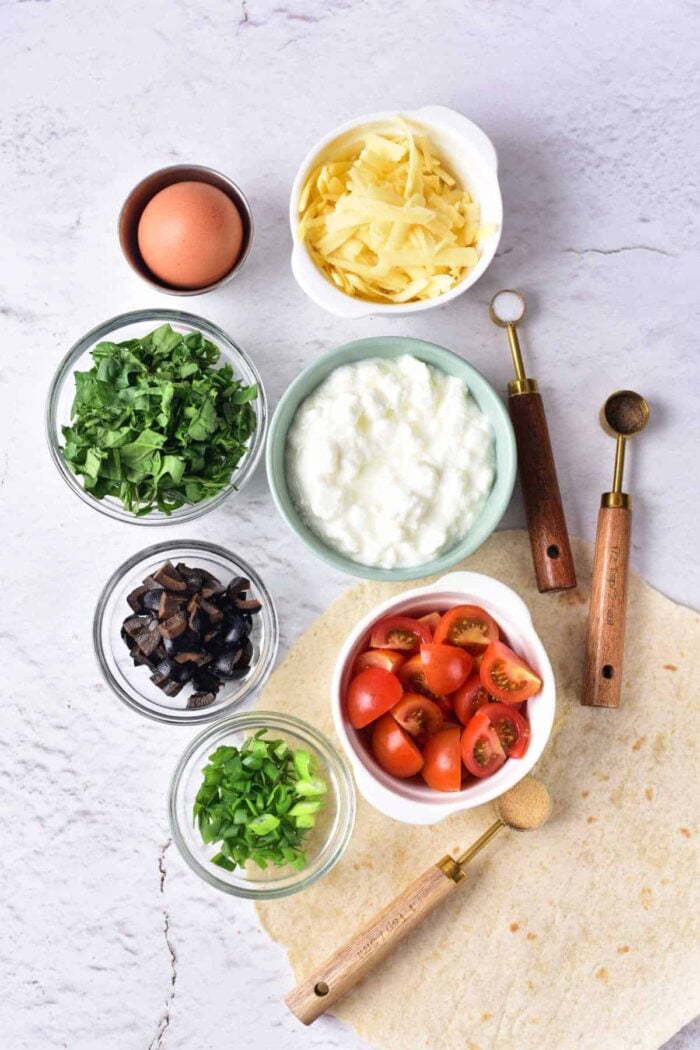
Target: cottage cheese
x,y
390,461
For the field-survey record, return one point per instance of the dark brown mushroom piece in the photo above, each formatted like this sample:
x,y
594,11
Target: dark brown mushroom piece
x,y
212,589
176,672
205,681
213,638
135,598
250,605
169,578
133,624
235,630
169,605
200,658
174,627
213,613
193,577
197,621
237,588
140,660
169,687
199,700
151,599
226,661
148,639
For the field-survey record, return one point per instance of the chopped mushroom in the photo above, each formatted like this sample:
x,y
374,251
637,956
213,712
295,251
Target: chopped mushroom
x,y
169,578
198,700
189,627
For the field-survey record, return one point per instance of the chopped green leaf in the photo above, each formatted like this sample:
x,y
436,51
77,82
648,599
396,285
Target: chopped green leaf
x,y
258,802
155,424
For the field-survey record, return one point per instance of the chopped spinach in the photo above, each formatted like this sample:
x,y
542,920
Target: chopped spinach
x,y
155,424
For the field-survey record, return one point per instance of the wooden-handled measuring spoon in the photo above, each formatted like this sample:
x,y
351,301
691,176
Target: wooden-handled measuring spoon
x,y
524,807
549,538
624,414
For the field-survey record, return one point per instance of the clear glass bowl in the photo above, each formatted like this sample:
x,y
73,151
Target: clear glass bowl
x,y
129,326
325,842
132,684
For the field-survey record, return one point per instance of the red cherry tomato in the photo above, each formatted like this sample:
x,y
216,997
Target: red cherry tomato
x,y
506,676
442,769
445,666
400,632
468,626
418,715
482,752
431,620
512,727
412,678
370,694
389,659
394,749
469,698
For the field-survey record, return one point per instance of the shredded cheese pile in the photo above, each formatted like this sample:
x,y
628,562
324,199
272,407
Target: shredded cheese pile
x,y
387,223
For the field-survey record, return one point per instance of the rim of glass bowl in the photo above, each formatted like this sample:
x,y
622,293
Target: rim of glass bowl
x,y
343,824
179,716
229,350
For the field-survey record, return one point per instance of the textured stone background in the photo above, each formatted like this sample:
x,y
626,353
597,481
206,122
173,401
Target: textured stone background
x,y
107,942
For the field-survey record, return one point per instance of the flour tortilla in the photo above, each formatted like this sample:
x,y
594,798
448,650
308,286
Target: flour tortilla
x,y
581,936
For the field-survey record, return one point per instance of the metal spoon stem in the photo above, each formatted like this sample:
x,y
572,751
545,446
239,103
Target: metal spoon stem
x,y
619,463
515,352
484,840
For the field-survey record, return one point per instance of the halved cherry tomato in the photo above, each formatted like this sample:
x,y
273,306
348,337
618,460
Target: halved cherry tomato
x,y
467,626
513,728
389,659
394,749
470,697
506,676
482,752
446,667
412,678
442,769
400,632
418,715
370,694
430,620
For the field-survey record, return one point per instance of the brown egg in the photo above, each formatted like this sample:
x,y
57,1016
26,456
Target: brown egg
x,y
190,235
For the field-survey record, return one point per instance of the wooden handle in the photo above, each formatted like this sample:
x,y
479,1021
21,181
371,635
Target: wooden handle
x,y
342,970
602,676
549,538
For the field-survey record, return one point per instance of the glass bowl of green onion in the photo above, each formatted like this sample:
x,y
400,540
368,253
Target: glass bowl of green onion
x,y
155,417
261,805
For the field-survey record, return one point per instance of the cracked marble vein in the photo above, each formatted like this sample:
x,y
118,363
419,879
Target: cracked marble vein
x,y
619,251
164,1020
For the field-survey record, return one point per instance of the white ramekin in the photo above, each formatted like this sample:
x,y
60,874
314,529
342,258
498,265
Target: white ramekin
x,y
471,156
412,801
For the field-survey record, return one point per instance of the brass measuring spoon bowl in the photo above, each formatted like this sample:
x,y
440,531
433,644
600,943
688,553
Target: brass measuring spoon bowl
x,y
507,307
625,413
526,806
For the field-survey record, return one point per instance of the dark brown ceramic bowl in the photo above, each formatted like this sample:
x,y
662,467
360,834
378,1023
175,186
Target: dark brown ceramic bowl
x,y
144,191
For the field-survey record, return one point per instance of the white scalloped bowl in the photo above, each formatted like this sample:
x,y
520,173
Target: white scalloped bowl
x,y
471,157
412,801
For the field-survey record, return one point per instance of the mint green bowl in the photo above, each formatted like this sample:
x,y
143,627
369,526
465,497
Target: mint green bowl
x,y
388,347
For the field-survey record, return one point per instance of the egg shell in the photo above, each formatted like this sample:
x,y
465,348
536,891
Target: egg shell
x,y
190,235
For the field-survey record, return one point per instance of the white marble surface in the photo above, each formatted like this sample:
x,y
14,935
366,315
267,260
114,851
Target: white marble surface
x,y
107,941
